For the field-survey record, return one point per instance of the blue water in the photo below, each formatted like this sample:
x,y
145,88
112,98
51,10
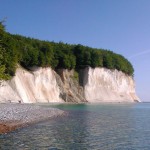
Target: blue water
x,y
86,127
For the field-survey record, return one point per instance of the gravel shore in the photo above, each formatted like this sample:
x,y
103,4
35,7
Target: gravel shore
x,y
13,116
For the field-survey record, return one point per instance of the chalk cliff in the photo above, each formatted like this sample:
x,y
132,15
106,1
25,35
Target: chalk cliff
x,y
45,85
104,85
38,85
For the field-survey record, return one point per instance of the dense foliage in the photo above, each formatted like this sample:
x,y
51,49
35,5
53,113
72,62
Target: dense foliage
x,y
28,52
8,54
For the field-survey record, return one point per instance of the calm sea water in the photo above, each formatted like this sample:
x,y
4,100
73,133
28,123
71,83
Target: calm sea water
x,y
87,127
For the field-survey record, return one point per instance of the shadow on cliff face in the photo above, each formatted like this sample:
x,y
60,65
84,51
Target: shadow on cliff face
x,y
70,88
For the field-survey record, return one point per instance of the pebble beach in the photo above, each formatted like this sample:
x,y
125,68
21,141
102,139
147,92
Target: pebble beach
x,y
13,116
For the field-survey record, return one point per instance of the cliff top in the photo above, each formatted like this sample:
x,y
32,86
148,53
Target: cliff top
x,y
30,52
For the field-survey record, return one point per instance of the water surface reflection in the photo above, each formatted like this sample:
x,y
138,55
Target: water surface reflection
x,y
86,127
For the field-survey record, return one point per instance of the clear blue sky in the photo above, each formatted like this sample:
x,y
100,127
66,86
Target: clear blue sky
x,y
122,26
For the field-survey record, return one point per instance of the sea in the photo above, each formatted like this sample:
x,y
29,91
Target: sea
x,y
86,127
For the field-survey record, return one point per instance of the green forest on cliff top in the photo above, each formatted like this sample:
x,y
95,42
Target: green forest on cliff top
x,y
28,52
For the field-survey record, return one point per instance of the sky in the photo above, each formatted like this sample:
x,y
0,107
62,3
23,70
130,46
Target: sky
x,y
122,26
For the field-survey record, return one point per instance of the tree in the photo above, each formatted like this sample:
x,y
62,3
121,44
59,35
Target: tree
x,y
96,59
3,74
108,61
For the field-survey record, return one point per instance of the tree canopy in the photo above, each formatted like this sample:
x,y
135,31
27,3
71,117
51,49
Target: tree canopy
x,y
28,52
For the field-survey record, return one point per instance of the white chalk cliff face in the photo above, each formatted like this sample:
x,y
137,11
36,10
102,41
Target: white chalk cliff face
x,y
104,85
45,85
29,87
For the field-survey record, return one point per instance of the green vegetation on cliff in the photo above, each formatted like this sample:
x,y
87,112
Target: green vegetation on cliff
x,y
17,49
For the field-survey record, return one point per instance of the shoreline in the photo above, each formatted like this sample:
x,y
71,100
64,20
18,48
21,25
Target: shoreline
x,y
14,116
19,115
